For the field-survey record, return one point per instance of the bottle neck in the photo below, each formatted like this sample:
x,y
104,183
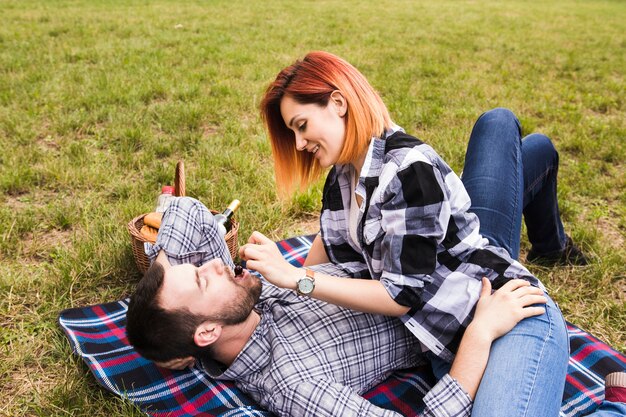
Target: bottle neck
x,y
224,218
228,213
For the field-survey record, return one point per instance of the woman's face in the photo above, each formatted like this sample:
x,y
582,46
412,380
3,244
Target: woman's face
x,y
317,129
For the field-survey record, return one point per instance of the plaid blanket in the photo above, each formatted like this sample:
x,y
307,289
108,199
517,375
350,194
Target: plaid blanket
x,y
97,334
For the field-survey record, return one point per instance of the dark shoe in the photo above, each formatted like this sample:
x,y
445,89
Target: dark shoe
x,y
571,255
615,387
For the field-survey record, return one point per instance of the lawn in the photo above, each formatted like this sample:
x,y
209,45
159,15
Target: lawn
x,y
100,98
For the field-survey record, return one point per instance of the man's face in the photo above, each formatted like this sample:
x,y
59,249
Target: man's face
x,y
211,290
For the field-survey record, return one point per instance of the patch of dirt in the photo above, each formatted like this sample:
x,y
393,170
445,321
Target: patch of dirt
x,y
309,224
28,199
15,203
209,130
38,246
25,382
610,232
48,142
621,288
35,246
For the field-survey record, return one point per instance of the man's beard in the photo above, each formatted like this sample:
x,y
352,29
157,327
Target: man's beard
x,y
238,312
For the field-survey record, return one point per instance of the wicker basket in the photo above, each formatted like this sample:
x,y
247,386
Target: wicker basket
x,y
138,240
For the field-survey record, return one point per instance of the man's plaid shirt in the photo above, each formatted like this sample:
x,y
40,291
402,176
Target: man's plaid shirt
x,y
306,357
416,236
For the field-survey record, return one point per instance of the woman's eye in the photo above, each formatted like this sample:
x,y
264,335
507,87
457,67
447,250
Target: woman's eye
x,y
302,127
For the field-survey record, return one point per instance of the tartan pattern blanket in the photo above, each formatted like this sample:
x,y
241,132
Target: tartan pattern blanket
x,y
97,334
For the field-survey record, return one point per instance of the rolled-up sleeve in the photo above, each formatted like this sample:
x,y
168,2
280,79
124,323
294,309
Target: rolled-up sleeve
x,y
447,399
414,219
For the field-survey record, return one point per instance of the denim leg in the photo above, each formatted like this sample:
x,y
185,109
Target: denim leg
x,y
609,409
493,178
525,375
541,208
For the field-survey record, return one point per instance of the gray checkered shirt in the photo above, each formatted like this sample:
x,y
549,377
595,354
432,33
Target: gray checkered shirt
x,y
416,236
189,235
306,357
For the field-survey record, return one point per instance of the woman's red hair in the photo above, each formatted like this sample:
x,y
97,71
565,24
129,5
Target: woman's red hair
x,y
312,80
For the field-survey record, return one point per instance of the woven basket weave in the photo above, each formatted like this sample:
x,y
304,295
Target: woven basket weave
x,y
138,240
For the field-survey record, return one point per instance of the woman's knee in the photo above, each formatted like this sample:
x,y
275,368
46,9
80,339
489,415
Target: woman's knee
x,y
500,125
540,145
500,115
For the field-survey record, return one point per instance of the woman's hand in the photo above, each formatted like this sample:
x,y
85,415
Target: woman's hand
x,y
262,255
496,314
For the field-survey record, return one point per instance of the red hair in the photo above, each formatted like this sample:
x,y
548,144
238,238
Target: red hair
x,y
312,81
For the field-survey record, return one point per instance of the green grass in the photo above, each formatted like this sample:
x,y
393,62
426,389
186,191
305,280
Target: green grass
x,y
99,99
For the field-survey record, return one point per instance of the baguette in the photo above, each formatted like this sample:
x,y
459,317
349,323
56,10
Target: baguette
x,y
149,233
153,219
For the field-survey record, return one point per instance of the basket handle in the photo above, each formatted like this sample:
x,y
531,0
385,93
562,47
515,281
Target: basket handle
x,y
179,179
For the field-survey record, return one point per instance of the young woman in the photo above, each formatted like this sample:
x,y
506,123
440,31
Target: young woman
x,y
397,220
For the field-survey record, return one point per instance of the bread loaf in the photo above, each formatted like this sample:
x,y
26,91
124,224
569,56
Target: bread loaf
x,y
149,233
153,219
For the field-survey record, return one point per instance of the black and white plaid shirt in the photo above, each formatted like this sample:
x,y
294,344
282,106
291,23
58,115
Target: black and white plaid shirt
x,y
306,357
416,236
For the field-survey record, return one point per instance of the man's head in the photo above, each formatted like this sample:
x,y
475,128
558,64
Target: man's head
x,y
179,311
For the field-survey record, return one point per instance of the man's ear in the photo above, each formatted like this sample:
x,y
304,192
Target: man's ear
x,y
337,98
207,333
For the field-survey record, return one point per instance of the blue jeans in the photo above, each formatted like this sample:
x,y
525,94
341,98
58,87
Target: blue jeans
x,y
609,409
507,176
526,371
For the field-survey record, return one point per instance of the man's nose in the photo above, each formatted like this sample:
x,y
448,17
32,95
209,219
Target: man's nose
x,y
215,265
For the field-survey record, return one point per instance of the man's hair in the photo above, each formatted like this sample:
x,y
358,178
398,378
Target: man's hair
x,y
312,81
155,333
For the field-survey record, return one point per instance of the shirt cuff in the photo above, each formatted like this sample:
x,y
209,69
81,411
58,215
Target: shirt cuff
x,y
447,399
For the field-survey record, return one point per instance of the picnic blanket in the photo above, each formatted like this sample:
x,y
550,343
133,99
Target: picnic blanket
x,y
97,334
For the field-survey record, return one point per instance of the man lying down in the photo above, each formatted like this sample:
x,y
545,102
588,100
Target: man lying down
x,y
294,355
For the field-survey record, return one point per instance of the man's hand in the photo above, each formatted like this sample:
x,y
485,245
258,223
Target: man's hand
x,y
178,363
262,255
496,314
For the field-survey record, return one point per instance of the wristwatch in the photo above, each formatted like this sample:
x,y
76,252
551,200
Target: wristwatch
x,y
306,284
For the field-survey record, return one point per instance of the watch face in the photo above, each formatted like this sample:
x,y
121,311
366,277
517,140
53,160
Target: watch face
x,y
305,286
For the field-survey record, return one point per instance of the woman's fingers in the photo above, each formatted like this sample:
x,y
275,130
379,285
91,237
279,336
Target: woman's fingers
x,y
518,288
259,238
514,284
527,291
533,299
486,290
247,252
254,237
533,311
256,246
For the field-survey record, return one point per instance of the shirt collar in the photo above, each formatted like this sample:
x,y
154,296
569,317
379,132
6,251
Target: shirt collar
x,y
253,357
374,159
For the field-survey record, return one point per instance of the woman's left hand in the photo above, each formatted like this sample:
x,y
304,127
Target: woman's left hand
x,y
496,314
262,255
